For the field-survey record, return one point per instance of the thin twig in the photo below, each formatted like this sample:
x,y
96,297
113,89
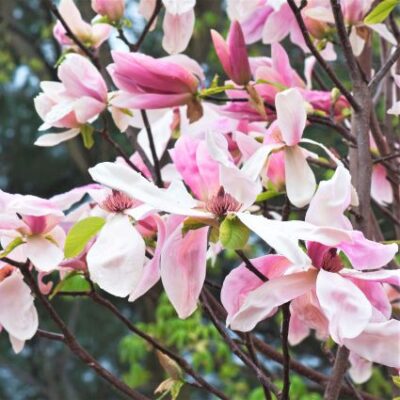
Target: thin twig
x,y
71,34
249,265
72,343
156,163
329,71
384,69
135,47
160,347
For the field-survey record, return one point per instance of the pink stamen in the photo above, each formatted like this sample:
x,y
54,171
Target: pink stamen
x,y
118,202
222,203
331,262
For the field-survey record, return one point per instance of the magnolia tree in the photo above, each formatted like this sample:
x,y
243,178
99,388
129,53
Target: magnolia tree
x,y
224,166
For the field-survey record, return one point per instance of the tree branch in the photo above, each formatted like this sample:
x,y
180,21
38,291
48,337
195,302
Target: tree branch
x,y
373,83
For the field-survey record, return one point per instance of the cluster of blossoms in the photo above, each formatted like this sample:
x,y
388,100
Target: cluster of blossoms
x,y
222,160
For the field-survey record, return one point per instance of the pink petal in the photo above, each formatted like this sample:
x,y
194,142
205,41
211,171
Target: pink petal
x,y
330,201
151,271
240,281
298,330
178,29
291,115
183,268
379,342
262,301
366,254
222,50
360,370
381,189
116,259
344,304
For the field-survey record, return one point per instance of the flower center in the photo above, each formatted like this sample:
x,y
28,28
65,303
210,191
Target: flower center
x,y
331,262
222,203
117,202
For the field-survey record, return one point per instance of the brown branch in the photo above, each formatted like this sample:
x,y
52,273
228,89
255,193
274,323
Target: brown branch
x,y
135,47
72,343
384,69
263,379
160,347
345,42
339,369
329,71
249,265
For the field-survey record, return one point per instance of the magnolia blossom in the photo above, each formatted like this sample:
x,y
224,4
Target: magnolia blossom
x,y
18,315
113,9
287,134
149,83
222,189
349,305
32,224
233,54
78,99
92,35
178,22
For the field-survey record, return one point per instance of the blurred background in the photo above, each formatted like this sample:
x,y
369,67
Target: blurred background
x,y
47,370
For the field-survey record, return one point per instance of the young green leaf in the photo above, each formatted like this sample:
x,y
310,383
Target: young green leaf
x,y
87,136
380,12
73,282
80,234
11,246
233,234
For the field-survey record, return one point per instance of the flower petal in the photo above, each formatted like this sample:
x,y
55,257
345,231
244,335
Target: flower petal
x,y
300,179
291,115
43,253
183,268
116,259
344,304
261,301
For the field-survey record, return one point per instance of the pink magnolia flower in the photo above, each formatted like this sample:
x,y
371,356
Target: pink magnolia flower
x,y
37,226
149,83
18,315
91,35
113,9
287,134
117,261
78,99
222,190
233,54
178,22
351,305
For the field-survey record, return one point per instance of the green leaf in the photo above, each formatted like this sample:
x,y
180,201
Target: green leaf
x,y
396,380
73,282
11,246
233,234
87,136
80,234
269,194
191,224
215,90
380,12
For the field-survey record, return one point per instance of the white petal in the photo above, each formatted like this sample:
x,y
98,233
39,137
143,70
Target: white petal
x,y
53,139
116,259
300,179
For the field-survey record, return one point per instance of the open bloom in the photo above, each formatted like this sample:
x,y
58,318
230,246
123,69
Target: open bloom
x,y
78,99
233,54
33,222
287,133
91,35
222,190
350,305
18,315
149,83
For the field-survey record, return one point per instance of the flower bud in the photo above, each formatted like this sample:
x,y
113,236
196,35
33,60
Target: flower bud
x,y
113,9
